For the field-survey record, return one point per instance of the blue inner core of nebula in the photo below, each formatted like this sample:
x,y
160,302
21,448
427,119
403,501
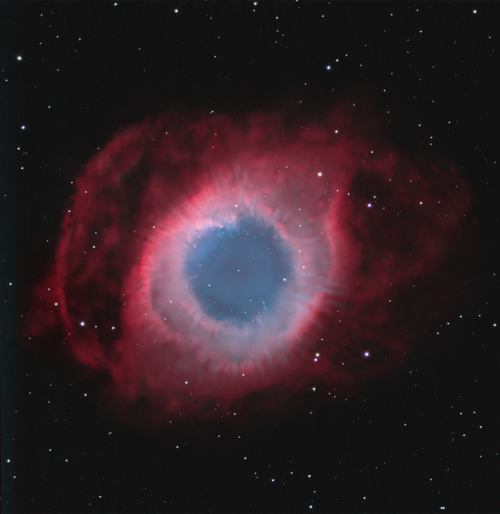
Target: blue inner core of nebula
x,y
238,272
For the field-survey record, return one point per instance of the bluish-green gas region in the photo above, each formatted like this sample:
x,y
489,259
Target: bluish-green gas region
x,y
239,271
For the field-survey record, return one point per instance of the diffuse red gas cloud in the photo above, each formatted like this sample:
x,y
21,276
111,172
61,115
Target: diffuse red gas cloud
x,y
370,231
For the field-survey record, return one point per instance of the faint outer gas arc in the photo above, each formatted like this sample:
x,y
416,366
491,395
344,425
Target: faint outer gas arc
x,y
356,229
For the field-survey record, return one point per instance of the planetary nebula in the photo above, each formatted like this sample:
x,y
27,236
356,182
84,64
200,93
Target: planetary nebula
x,y
204,258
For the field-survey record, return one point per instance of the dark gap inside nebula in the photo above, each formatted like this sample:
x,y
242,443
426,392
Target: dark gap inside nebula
x,y
237,272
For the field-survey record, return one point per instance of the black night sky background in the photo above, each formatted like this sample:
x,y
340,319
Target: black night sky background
x,y
423,438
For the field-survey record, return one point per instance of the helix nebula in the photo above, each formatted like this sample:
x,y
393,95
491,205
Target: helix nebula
x,y
208,258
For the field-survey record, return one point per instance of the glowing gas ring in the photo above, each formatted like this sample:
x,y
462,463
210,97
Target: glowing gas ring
x,y
198,268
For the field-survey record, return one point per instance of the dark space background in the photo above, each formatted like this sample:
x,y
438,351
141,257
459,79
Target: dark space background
x,y
424,439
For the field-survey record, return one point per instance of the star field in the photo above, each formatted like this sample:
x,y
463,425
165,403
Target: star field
x,y
423,437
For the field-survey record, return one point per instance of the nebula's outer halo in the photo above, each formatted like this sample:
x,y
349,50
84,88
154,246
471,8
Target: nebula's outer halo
x,y
358,229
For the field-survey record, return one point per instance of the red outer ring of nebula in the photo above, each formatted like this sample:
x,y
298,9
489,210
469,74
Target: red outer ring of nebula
x,y
376,231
